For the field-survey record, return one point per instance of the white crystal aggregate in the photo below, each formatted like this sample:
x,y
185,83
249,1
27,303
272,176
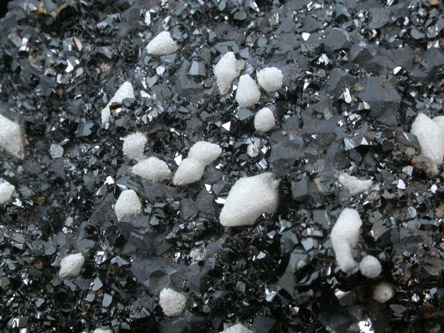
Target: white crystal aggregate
x,y
127,205
134,145
247,93
172,302
101,330
383,292
249,198
237,328
153,169
264,120
344,237
370,267
71,265
270,79
11,137
6,190
226,70
192,168
353,184
126,90
162,44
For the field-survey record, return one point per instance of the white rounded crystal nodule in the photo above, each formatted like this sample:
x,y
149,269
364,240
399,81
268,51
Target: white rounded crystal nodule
x,y
353,184
226,70
264,120
247,93
205,152
237,328
172,302
162,44
126,90
370,267
127,205
270,79
6,190
383,292
71,265
134,145
189,171
11,138
153,169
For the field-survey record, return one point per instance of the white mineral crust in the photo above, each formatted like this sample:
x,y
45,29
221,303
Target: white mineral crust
x,y
11,137
270,79
353,184
226,70
264,120
128,205
172,302
153,169
125,91
247,93
71,265
162,44
134,145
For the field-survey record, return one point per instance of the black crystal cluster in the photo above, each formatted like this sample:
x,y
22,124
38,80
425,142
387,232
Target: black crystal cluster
x,y
356,73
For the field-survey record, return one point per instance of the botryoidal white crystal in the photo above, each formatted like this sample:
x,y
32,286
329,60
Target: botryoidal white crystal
x,y
11,137
270,79
192,168
172,302
134,145
353,184
153,169
162,44
127,205
264,120
247,93
71,265
383,292
370,267
249,198
344,237
226,70
238,328
125,91
6,190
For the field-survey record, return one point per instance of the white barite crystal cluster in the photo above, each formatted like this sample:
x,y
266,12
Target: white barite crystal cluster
x,y
71,265
226,70
125,91
238,328
153,169
370,267
270,79
430,134
134,145
249,198
6,190
192,168
162,44
353,184
383,292
127,205
172,302
344,237
11,138
264,120
247,93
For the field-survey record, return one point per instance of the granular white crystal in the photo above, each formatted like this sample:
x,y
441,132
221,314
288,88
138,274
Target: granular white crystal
x,y
247,93
189,171
270,79
125,91
353,184
162,44
264,120
383,292
226,70
370,267
238,328
134,145
249,198
100,330
11,137
344,237
6,190
205,152
128,205
172,302
71,265
153,169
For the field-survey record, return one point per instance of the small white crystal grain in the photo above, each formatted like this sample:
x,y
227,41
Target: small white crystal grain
x,y
189,171
238,328
383,292
153,169
162,44
264,120
249,198
172,302
128,205
370,267
134,145
125,91
353,184
11,137
71,265
247,93
344,237
226,70
6,190
205,152
270,79
100,330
